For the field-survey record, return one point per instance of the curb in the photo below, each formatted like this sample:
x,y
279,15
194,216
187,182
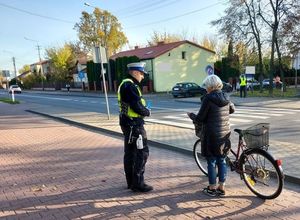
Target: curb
x,y
238,104
288,178
112,133
74,94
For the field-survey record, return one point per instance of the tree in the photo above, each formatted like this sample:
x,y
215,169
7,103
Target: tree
x,y
77,48
30,80
62,61
164,36
290,32
240,24
208,42
101,28
273,13
25,68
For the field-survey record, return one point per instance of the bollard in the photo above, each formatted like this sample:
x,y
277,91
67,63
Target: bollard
x,y
13,95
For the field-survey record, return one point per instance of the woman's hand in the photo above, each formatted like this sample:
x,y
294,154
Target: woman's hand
x,y
191,115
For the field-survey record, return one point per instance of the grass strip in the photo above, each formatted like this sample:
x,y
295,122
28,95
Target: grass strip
x,y
9,101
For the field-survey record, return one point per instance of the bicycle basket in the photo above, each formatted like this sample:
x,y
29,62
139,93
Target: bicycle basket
x,y
198,129
257,136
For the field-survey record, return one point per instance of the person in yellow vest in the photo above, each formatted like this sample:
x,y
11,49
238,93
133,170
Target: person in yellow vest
x,y
243,86
133,109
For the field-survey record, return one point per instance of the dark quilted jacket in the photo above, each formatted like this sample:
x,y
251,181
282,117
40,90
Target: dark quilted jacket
x,y
214,115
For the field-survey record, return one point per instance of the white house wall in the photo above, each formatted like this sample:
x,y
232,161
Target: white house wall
x,y
170,68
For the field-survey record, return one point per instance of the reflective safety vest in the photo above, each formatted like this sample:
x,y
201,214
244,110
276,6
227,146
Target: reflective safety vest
x,y
124,108
243,81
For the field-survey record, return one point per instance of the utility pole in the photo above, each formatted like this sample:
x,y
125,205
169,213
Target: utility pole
x,y
40,60
296,69
14,63
42,72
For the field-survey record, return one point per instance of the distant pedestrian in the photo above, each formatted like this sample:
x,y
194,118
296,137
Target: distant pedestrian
x,y
68,87
234,83
243,86
132,112
215,138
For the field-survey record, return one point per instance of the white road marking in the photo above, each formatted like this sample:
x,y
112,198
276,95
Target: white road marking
x,y
258,113
179,118
184,125
248,116
268,109
239,120
43,97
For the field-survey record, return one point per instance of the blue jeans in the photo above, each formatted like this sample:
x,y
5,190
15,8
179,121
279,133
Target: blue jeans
x,y
211,169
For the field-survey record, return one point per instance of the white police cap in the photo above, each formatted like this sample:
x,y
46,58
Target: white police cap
x,y
140,66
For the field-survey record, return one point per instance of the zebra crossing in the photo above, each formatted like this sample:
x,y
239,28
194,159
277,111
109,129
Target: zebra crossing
x,y
242,115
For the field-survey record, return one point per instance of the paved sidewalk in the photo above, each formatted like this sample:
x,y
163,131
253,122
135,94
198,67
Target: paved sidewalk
x,y
51,170
178,138
290,103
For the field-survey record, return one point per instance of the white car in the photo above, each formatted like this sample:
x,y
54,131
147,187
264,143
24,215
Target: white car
x,y
15,88
250,83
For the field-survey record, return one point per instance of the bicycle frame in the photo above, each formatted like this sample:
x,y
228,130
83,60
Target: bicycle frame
x,y
234,164
260,171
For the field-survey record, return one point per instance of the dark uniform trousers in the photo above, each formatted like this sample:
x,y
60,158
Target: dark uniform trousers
x,y
243,89
134,159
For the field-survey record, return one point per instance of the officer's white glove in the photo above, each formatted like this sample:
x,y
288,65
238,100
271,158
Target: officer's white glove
x,y
149,112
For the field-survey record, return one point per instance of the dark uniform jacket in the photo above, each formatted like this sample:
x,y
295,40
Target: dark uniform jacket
x,y
214,116
130,95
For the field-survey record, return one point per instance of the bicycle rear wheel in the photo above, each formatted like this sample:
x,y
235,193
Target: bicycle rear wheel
x,y
200,160
261,173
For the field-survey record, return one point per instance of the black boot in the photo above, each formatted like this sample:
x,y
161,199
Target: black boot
x,y
143,188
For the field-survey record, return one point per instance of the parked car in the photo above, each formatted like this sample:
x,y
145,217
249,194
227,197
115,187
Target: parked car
x,y
15,88
227,87
251,83
186,89
266,83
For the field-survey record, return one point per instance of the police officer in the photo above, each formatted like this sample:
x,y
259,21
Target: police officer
x,y
132,112
243,85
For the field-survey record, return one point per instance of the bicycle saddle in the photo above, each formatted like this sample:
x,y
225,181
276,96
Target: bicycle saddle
x,y
239,131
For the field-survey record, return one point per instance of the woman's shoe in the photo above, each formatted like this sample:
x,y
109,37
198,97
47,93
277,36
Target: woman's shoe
x,y
209,192
220,192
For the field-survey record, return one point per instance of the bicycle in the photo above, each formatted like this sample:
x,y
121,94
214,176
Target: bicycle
x,y
262,174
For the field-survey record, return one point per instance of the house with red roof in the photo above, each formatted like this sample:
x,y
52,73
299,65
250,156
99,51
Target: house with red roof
x,y
80,74
170,63
37,67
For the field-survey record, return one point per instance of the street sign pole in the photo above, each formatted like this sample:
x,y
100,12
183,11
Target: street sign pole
x,y
296,69
98,59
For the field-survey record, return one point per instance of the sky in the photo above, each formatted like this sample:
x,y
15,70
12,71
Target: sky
x,y
50,23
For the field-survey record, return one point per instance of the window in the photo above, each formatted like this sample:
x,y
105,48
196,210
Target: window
x,y
183,55
149,52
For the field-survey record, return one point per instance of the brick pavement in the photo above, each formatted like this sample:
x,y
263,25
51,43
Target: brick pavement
x,y
51,170
175,137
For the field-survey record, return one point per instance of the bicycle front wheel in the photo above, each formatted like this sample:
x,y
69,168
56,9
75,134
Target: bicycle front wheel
x,y
200,160
261,173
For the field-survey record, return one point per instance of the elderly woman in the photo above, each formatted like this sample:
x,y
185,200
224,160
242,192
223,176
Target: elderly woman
x,y
215,140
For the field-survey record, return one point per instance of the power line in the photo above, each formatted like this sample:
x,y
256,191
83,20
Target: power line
x,y
142,5
35,14
175,17
151,9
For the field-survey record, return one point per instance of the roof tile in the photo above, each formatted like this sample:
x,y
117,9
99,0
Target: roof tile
x,y
154,51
